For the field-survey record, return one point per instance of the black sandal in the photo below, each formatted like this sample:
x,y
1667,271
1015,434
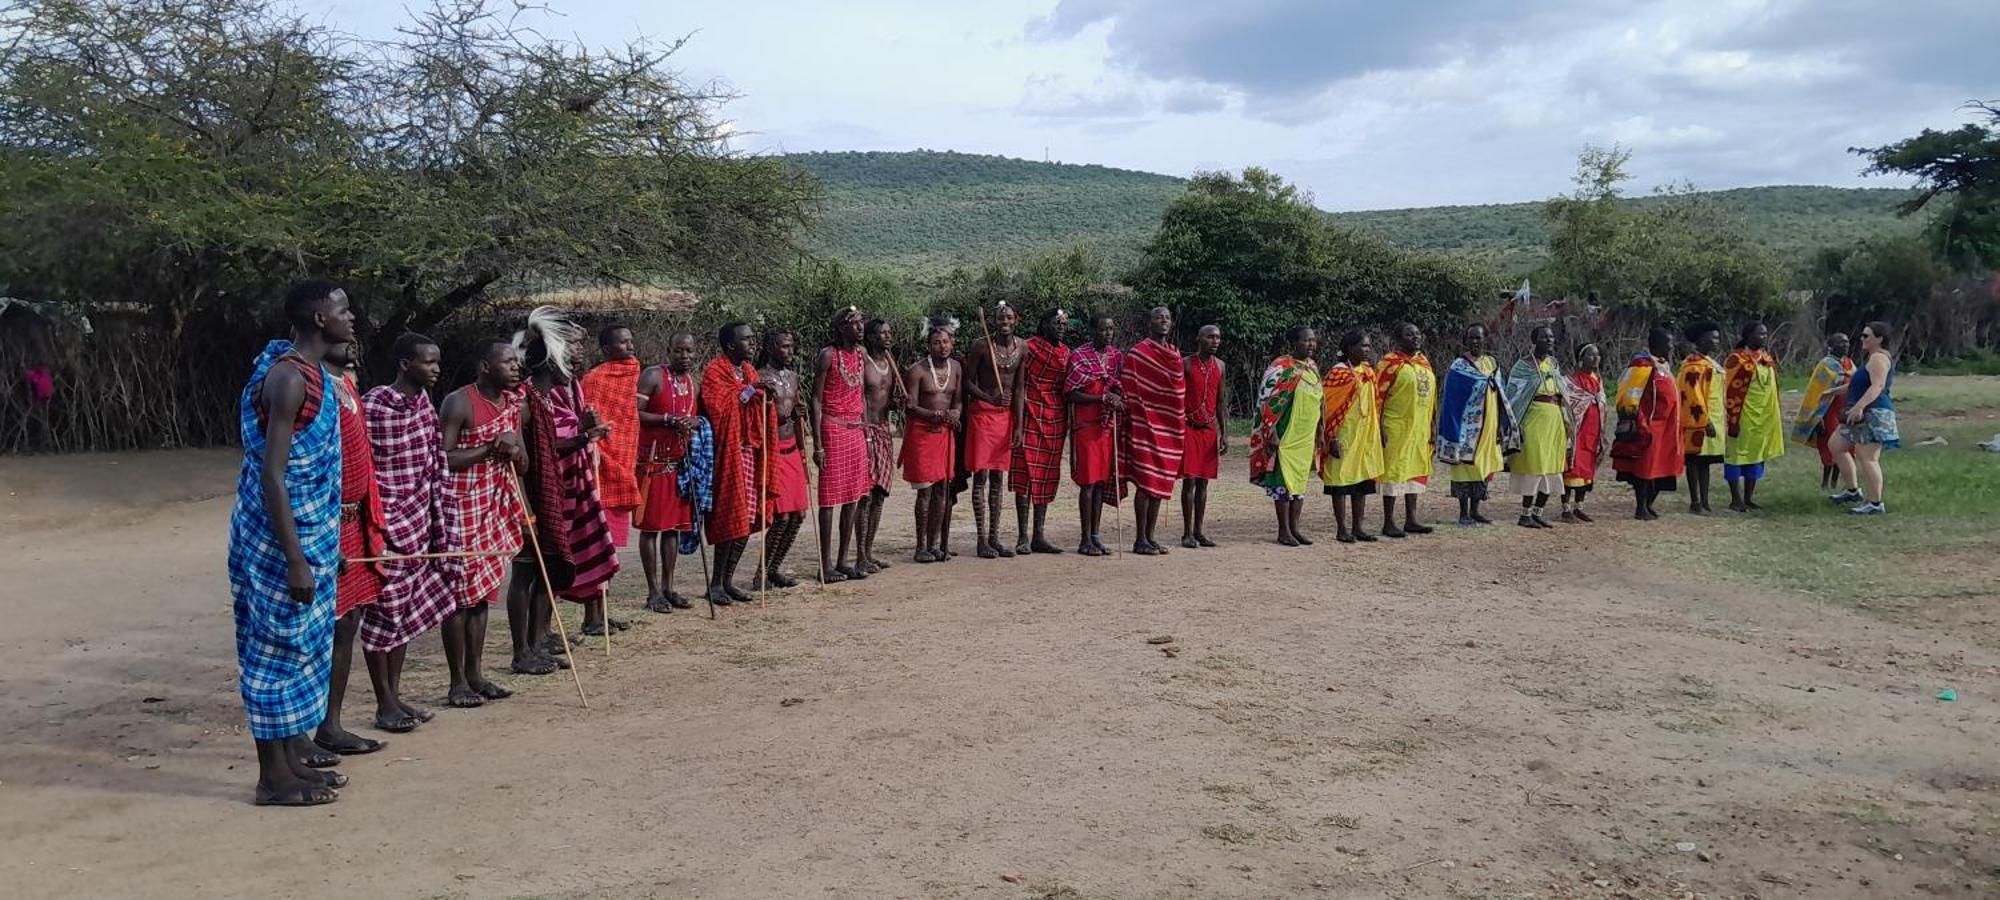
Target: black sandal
x,y
468,700
534,667
303,795
367,746
404,725
326,760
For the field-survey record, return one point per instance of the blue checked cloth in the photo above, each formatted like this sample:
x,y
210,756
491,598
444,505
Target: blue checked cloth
x,y
285,649
696,480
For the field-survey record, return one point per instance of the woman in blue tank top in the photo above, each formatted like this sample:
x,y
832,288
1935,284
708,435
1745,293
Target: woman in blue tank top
x,y
1870,422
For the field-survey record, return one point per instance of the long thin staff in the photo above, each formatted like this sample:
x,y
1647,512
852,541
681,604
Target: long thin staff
x,y
701,547
548,584
1117,481
992,355
764,498
812,511
896,372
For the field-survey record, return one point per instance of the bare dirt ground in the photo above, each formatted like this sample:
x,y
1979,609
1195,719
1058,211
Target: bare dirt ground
x,y
1476,714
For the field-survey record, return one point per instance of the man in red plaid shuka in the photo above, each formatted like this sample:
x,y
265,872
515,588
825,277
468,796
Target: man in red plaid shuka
x,y
481,434
733,401
1155,388
844,468
359,583
1041,425
418,517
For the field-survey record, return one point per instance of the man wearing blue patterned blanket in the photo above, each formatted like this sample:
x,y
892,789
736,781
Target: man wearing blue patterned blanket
x,y
284,548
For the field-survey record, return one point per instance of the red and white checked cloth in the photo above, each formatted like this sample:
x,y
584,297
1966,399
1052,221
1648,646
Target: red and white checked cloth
x,y
418,516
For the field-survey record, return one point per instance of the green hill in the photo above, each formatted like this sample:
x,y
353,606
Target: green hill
x,y
925,212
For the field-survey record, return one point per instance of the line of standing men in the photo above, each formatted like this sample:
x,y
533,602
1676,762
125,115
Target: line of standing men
x,y
377,517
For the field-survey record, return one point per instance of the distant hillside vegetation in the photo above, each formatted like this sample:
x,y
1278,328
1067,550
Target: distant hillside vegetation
x,y
1792,220
924,212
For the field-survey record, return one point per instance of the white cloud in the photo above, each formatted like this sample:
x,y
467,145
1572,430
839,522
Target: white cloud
x,y
1364,103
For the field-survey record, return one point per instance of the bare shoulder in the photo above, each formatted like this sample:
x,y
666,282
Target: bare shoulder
x,y
454,406
284,388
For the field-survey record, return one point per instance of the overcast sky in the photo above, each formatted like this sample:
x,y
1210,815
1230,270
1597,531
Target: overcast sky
x,y
1367,104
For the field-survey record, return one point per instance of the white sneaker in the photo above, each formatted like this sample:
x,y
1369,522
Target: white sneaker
x,y
1846,497
1868,509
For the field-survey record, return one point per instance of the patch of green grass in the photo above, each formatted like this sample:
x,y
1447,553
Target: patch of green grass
x,y
1939,540
1978,362
1948,396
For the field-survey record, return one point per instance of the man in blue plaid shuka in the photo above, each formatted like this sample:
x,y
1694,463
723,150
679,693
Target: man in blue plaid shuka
x,y
284,548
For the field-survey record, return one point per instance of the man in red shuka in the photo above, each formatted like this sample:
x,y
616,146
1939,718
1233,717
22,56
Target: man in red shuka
x,y
843,454
992,372
785,489
1207,435
936,388
1154,383
733,400
668,402
1041,425
1095,404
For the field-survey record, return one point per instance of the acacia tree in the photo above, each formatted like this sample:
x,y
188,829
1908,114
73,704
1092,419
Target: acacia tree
x,y
1958,170
193,155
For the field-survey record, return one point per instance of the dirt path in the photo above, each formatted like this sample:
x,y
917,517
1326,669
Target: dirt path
x,y
1474,714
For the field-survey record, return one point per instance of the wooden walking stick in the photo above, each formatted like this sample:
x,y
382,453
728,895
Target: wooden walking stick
x,y
1117,510
764,497
992,357
701,547
548,584
812,514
